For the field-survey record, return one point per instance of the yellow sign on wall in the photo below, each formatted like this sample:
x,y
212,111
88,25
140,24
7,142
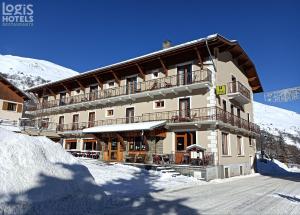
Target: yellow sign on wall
x,y
221,90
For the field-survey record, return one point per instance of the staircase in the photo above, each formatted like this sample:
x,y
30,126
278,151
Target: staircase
x,y
167,170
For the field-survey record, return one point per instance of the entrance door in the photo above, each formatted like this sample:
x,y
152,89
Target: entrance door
x,y
75,122
113,149
184,74
183,140
131,85
129,115
62,99
91,119
184,109
233,89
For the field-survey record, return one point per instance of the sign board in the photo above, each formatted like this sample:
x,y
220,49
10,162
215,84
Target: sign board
x,y
221,90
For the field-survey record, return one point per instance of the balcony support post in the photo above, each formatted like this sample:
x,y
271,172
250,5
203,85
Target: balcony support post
x,y
141,72
163,66
116,77
51,93
80,85
200,62
100,83
66,88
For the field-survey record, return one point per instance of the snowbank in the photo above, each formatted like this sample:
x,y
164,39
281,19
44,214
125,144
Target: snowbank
x,y
37,169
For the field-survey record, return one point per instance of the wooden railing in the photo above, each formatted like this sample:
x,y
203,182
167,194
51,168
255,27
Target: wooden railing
x,y
197,76
193,115
237,87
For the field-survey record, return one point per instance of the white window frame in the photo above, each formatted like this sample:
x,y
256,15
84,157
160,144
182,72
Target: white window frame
x,y
106,111
228,144
242,145
160,100
107,84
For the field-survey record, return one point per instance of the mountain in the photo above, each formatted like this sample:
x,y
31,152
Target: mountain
x,y
278,121
28,72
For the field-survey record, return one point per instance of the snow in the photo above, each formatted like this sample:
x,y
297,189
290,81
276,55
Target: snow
x,y
275,120
21,68
125,127
27,163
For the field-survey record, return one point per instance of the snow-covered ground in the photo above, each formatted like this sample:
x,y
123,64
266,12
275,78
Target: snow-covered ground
x,y
275,120
27,72
38,177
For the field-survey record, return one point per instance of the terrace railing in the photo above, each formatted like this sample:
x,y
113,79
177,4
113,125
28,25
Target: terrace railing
x,y
238,87
197,76
176,116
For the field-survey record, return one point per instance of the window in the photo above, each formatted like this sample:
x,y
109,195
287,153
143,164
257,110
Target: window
x,y
11,106
111,84
45,123
136,144
61,123
110,112
75,122
250,141
225,148
89,145
91,119
159,104
155,74
239,145
232,109
71,144
224,105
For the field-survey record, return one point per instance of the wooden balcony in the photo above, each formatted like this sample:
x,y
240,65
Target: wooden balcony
x,y
156,87
206,115
238,92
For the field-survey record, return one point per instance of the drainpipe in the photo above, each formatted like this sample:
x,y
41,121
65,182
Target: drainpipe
x,y
210,56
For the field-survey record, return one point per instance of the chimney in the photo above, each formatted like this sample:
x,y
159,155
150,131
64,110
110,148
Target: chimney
x,y
166,44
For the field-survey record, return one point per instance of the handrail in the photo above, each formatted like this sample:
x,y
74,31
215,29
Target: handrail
x,y
176,116
196,76
236,86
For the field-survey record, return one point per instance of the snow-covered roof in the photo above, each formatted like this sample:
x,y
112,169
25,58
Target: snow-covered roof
x,y
157,54
194,146
172,48
14,87
125,127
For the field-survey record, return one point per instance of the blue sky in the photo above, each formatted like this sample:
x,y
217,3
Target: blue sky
x,y
84,35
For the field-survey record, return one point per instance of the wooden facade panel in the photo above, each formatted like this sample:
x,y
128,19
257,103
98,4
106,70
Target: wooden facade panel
x,y
5,106
19,108
8,94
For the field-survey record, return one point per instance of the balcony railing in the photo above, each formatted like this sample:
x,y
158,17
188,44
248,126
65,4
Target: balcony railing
x,y
237,87
177,116
197,76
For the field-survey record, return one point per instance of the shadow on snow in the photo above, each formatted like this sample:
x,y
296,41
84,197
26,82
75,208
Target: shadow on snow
x,y
124,197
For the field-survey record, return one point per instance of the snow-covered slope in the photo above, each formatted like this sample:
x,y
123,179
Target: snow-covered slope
x,y
28,72
277,120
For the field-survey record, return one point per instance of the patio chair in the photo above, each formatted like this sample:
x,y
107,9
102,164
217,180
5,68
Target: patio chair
x,y
130,158
140,158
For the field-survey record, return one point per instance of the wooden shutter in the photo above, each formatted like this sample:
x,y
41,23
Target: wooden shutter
x,y
5,106
19,108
